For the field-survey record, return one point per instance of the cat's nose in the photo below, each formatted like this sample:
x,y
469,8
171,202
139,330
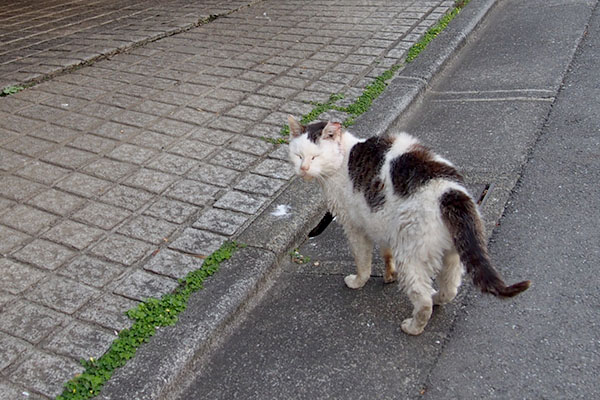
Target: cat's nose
x,y
304,167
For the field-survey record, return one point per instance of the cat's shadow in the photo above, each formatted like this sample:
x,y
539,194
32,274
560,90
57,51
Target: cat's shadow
x,y
329,253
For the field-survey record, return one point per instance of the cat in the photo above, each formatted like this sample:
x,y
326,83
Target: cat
x,y
393,191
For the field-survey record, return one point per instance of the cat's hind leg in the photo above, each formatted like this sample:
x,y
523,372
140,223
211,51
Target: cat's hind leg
x,y
362,248
390,275
418,288
449,279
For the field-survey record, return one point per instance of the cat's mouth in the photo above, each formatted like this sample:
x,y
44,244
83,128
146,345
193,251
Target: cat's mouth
x,y
307,178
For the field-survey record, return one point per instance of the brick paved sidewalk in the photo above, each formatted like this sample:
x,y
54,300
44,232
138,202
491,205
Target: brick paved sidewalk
x,y
44,37
114,177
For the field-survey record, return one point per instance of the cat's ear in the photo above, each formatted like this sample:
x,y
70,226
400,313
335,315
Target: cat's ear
x,y
332,131
295,128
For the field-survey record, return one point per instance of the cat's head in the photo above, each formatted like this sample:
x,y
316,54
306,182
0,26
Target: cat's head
x,y
315,149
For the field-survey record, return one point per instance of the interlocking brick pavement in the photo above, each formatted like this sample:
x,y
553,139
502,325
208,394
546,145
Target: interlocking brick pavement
x,y
115,176
42,38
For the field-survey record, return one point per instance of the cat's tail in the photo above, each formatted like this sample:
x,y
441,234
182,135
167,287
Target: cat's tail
x,y
462,220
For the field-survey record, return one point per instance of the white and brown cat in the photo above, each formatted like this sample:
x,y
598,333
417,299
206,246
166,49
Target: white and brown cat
x,y
393,191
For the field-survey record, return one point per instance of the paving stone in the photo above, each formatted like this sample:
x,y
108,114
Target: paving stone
x,y
108,311
141,285
42,172
260,185
28,219
208,104
280,153
127,197
153,140
195,241
172,127
148,229
173,264
111,170
262,131
215,175
17,277
6,299
122,249
29,146
53,133
247,112
56,201
192,116
275,169
18,189
266,102
171,210
229,124
153,181
114,130
172,164
46,373
93,143
192,192
31,322
44,254
102,215
10,391
10,239
10,348
234,160
224,222
74,234
61,294
132,154
212,136
154,108
192,149
257,147
102,111
134,118
91,271
84,185
77,121
243,202
81,341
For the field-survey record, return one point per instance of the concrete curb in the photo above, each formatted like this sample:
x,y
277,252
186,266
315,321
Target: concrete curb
x,y
158,370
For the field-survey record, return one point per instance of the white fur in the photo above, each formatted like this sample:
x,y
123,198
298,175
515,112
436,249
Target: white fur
x,y
412,228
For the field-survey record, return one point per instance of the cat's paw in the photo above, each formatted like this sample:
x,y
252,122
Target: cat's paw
x,y
410,326
353,282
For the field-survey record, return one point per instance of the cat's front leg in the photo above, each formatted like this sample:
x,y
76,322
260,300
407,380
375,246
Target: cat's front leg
x,y
362,248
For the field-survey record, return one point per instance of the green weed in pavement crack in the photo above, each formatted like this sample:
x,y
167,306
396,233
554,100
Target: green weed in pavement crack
x,y
147,316
10,90
435,30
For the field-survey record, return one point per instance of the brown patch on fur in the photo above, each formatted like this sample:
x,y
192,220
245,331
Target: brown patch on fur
x,y
413,169
462,220
364,165
390,274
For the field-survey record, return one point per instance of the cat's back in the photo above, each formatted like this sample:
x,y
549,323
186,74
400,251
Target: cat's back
x,y
399,166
